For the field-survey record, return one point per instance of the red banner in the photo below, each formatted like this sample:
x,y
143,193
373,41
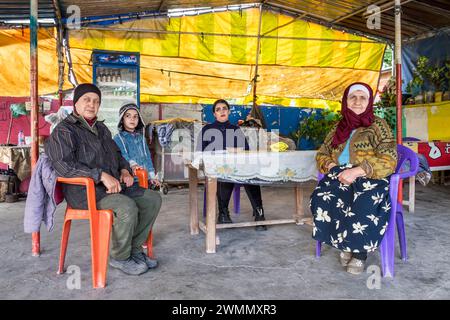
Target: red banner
x,y
437,154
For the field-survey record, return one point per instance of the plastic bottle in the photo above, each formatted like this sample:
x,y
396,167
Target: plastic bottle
x,y
21,138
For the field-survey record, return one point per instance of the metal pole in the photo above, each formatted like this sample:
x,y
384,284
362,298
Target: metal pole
x,y
34,81
34,103
398,68
59,51
258,48
398,77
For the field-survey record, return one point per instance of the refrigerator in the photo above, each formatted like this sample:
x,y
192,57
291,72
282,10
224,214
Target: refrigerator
x,y
117,76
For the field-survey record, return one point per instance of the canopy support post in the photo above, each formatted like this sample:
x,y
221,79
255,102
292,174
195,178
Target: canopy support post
x,y
398,77
255,112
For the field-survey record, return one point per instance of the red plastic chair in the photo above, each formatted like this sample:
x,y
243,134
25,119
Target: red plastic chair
x,y
100,227
142,176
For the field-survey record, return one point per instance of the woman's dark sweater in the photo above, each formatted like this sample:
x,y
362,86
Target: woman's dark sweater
x,y
231,136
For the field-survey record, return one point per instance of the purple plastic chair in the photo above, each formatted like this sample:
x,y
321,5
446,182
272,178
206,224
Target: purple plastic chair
x,y
387,247
236,199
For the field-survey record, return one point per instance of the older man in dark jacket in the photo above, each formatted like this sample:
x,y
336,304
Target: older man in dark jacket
x,y
82,146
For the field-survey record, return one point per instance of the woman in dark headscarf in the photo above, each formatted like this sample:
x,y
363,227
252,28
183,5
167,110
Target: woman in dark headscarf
x,y
351,204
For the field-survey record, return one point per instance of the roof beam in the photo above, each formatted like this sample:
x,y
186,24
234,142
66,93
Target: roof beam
x,y
389,6
327,23
161,4
436,10
361,9
294,10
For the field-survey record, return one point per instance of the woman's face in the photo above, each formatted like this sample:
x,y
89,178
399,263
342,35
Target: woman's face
x,y
221,112
357,101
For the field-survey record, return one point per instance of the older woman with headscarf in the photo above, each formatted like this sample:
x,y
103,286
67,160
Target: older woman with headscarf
x,y
351,204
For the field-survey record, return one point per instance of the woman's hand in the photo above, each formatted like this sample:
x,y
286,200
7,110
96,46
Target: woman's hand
x,y
126,177
112,184
348,176
331,166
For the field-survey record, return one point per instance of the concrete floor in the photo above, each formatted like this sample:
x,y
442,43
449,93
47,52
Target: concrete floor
x,y
276,264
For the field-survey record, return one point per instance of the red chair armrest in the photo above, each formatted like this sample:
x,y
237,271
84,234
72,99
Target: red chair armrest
x,y
90,189
142,176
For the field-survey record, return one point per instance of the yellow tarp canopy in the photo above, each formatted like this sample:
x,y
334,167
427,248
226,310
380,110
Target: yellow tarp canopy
x,y
197,59
15,62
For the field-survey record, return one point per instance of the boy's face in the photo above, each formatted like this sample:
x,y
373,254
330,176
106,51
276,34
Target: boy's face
x,y
130,120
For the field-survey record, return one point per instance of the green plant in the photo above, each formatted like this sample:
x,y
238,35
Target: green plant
x,y
388,95
447,75
422,67
387,59
431,75
436,76
315,127
420,75
415,86
447,71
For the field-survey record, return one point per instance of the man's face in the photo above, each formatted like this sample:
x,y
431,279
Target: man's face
x,y
357,101
221,112
87,106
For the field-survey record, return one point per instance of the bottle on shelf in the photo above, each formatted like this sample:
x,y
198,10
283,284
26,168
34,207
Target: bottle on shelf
x,y
21,138
119,78
108,77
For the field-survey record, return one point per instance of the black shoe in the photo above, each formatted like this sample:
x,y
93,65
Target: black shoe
x,y
143,259
259,216
128,266
224,216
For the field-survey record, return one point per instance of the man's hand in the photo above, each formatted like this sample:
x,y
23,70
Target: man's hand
x,y
156,182
348,176
112,184
126,177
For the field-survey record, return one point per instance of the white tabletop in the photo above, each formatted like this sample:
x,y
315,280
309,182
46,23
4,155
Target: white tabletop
x,y
289,166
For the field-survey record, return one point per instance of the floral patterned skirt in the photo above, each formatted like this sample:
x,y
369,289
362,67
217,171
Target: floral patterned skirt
x,y
350,218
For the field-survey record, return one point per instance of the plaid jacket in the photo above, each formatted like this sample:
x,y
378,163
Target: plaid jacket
x,y
79,150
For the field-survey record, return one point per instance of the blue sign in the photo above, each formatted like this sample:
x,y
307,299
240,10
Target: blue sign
x,y
131,59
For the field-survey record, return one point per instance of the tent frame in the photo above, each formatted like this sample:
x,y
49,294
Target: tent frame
x,y
299,14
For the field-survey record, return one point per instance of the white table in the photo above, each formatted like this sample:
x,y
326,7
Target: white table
x,y
267,168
